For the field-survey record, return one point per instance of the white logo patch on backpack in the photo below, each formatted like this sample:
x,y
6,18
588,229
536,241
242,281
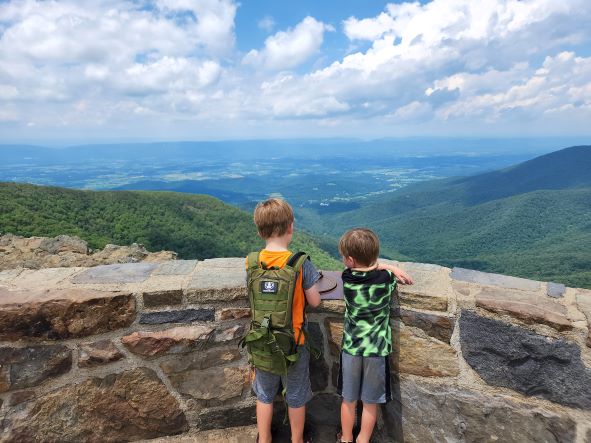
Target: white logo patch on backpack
x,y
269,287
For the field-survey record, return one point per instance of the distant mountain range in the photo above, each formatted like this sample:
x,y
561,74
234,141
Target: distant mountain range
x,y
531,220
194,226
249,149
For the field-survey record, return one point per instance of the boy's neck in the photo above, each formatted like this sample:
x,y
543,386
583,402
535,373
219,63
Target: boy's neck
x,y
278,244
365,268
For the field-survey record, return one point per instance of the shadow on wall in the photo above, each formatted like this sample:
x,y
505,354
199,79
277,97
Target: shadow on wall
x,y
392,411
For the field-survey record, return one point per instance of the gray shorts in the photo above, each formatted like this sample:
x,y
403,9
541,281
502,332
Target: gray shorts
x,y
364,378
299,392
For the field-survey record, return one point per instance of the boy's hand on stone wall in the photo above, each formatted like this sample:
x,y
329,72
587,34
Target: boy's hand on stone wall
x,y
402,277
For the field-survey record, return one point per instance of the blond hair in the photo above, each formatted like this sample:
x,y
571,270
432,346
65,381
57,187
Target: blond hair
x,y
273,217
361,244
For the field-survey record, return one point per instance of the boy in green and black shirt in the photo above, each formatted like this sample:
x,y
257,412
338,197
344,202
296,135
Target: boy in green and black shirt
x,y
367,337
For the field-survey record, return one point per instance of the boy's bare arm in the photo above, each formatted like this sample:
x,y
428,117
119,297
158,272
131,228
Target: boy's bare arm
x,y
312,295
400,275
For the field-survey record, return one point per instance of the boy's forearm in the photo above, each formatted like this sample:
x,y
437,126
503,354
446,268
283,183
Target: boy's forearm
x,y
400,275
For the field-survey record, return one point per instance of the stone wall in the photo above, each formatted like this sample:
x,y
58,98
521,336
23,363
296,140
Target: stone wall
x,y
142,350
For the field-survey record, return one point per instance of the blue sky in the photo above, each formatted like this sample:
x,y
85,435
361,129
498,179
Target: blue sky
x,y
99,71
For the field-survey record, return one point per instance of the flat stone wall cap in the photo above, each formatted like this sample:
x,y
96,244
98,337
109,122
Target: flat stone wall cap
x,y
175,267
410,266
43,278
527,306
232,262
485,278
218,274
114,274
8,275
555,290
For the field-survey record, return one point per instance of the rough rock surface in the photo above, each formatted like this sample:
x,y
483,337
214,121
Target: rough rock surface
x,y
209,358
509,356
25,367
238,434
69,251
170,341
439,326
98,353
180,316
218,418
163,298
215,384
439,412
128,406
65,313
419,354
584,302
234,313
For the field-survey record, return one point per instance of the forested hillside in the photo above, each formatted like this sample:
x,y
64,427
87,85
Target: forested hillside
x,y
194,226
531,220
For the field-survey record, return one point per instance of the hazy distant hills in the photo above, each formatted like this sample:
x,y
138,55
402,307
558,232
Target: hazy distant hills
x,y
531,220
195,226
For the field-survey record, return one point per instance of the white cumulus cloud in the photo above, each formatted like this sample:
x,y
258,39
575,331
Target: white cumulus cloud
x,y
288,49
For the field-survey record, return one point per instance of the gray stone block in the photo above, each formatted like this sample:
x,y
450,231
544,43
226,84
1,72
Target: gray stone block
x,y
485,278
243,414
116,274
433,413
555,290
182,316
25,367
175,267
512,357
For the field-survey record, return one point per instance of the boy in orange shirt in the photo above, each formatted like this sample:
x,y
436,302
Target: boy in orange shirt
x,y
274,221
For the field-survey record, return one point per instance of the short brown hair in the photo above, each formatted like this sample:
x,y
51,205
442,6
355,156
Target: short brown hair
x,y
361,244
273,217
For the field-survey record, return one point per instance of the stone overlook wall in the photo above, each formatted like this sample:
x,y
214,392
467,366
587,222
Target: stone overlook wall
x,y
141,350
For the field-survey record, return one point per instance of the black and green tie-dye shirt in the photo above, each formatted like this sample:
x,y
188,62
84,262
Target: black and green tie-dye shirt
x,y
368,297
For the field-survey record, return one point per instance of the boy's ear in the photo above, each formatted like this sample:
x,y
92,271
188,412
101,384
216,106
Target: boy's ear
x,y
290,229
349,262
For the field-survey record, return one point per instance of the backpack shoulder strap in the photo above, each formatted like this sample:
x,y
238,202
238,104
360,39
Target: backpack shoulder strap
x,y
296,261
252,260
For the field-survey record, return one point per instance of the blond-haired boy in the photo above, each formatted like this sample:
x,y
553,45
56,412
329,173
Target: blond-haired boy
x,y
274,221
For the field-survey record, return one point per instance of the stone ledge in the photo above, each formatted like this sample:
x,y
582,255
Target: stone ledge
x,y
115,274
526,306
489,279
220,279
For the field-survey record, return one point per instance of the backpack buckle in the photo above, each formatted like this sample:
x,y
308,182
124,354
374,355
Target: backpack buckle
x,y
265,323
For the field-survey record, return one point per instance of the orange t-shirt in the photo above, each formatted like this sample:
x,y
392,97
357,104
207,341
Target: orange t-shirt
x,y
279,259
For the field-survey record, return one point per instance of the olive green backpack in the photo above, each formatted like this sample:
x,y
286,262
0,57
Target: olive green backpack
x,y
271,341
